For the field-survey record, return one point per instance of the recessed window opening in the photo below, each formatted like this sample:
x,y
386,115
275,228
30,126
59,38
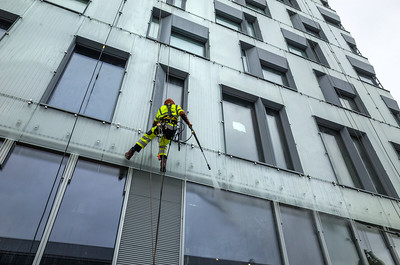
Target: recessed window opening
x,y
274,75
255,8
186,43
297,50
174,88
228,22
154,27
347,101
367,78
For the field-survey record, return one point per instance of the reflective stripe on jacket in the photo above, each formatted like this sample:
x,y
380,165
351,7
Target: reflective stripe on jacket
x,y
169,114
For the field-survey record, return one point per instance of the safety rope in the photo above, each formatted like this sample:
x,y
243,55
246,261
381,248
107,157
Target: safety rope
x,y
73,127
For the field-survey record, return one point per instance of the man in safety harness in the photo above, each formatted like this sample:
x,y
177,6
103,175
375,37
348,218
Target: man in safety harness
x,y
165,123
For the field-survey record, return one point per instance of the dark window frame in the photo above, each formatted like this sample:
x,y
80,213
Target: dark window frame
x,y
69,9
330,18
257,58
7,21
351,42
260,106
241,19
392,105
333,88
162,72
364,71
311,48
291,3
307,25
171,24
258,4
95,47
346,134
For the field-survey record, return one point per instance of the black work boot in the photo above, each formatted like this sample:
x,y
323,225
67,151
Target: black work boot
x,y
163,163
129,154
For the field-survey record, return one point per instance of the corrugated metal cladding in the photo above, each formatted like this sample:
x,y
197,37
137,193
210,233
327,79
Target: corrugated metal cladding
x,y
137,240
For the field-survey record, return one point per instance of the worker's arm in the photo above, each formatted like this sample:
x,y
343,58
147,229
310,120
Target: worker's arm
x,y
184,117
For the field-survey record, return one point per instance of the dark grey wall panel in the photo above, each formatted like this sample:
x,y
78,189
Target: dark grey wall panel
x,y
391,104
294,38
349,39
195,30
228,11
269,58
361,66
329,15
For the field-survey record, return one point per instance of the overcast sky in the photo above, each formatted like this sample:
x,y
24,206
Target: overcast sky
x,y
375,25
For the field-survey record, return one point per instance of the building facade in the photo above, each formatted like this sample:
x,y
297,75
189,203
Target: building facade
x,y
302,140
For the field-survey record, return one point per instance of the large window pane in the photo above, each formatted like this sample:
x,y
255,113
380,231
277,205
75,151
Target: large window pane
x,y
4,26
298,230
86,225
372,243
274,76
348,102
297,50
228,229
26,196
340,159
154,27
174,89
228,23
241,132
187,44
100,96
339,241
279,144
368,165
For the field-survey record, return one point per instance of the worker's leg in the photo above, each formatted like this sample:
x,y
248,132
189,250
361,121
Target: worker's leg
x,y
142,142
162,153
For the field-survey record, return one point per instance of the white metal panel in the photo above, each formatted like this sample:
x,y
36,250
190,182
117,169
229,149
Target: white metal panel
x,y
17,7
271,31
225,52
279,12
96,9
305,133
204,8
136,16
34,49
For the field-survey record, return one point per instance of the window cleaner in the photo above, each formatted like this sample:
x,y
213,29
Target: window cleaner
x,y
165,124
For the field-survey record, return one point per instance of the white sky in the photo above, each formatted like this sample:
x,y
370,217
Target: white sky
x,y
375,25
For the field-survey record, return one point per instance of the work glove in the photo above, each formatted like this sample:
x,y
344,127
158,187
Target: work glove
x,y
190,126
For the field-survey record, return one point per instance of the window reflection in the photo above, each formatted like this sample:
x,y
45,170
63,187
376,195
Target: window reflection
x,y
237,229
78,92
188,44
26,196
339,241
87,221
299,230
373,244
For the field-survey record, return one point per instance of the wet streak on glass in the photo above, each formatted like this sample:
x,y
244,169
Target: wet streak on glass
x,y
299,230
373,245
338,239
86,225
26,184
228,228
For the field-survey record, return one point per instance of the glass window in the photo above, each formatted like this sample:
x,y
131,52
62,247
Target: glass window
x,y
368,79
255,8
179,3
88,88
312,31
250,29
339,241
373,244
76,5
241,132
347,102
187,44
297,50
154,27
238,229
368,165
339,157
279,144
87,221
273,75
244,61
299,230
227,22
4,26
26,196
174,89
396,241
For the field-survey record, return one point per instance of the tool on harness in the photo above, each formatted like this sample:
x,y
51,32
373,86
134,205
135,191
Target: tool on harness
x,y
201,149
